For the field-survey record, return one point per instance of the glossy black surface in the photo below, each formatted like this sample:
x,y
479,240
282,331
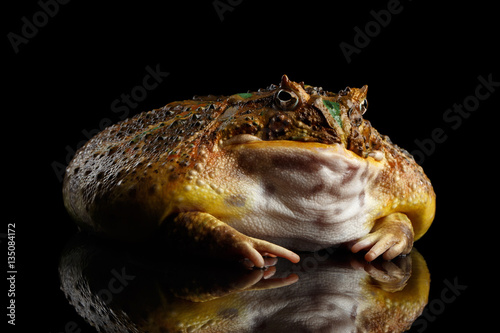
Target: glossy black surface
x,y
426,70
119,289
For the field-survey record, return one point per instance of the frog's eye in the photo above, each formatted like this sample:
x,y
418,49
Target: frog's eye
x,y
364,106
286,100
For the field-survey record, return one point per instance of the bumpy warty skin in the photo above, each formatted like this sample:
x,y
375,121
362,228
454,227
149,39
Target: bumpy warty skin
x,y
291,163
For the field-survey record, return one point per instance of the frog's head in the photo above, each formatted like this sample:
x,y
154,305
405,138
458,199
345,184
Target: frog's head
x,y
296,112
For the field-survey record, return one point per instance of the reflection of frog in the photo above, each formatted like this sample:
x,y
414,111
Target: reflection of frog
x,y
249,174
341,292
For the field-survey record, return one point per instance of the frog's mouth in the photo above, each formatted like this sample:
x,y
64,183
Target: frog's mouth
x,y
243,139
240,139
316,152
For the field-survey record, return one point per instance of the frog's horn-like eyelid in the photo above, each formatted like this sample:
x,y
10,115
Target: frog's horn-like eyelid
x,y
285,81
364,91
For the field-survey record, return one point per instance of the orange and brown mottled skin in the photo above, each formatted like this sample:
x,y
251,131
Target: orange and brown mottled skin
x,y
125,173
406,189
402,184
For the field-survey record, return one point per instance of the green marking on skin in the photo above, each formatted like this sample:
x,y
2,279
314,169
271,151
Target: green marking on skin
x,y
139,136
334,109
245,95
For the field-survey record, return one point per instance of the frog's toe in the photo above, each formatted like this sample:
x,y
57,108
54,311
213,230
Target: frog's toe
x,y
377,244
255,249
391,236
388,246
399,248
365,243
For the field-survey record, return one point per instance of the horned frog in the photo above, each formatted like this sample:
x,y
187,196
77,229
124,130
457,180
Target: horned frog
x,y
253,175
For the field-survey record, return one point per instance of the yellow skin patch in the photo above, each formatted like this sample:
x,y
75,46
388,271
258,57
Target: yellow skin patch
x,y
289,167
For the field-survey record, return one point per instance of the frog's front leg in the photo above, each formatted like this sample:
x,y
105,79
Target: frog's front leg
x,y
206,234
391,236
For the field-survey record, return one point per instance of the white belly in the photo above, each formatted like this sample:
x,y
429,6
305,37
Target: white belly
x,y
306,199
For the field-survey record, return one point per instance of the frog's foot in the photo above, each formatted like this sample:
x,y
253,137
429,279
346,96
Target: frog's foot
x,y
208,235
391,236
391,276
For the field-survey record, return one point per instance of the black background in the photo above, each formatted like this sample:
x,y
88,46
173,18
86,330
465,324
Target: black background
x,y
427,58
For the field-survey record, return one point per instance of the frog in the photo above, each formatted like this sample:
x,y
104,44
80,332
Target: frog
x,y
249,176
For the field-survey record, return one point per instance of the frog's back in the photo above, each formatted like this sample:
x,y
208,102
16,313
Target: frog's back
x,y
121,175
